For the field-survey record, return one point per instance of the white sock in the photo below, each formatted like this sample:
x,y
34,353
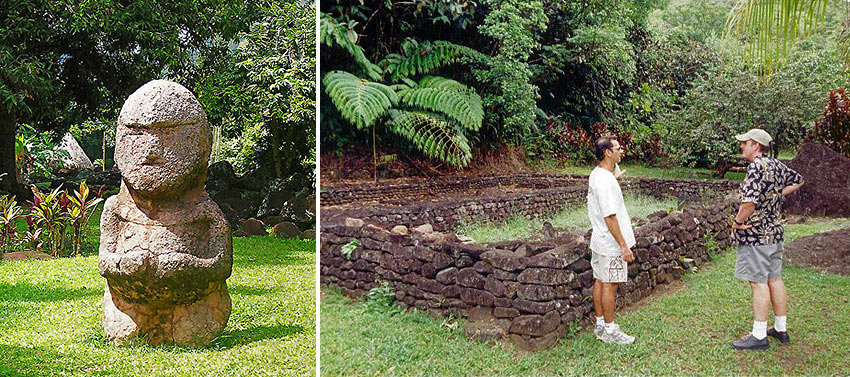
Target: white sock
x,y
609,327
760,329
779,324
600,321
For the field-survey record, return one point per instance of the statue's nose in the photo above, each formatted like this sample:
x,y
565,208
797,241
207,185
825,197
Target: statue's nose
x,y
153,153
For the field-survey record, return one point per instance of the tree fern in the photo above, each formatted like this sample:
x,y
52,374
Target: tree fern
x,y
336,34
433,134
361,102
424,57
447,96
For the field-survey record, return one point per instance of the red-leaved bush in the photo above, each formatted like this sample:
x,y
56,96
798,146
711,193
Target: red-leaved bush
x,y
834,128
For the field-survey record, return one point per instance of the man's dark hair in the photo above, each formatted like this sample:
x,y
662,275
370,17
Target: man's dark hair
x,y
603,144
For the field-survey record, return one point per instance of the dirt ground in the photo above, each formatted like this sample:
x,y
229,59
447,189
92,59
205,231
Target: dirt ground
x,y
21,255
828,252
357,165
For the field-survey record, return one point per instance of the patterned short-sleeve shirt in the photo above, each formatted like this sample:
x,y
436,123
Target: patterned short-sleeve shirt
x,y
766,177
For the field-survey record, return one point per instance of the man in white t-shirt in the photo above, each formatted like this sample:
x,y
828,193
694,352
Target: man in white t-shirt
x,y
611,240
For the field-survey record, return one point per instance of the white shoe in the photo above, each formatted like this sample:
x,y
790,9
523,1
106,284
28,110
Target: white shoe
x,y
598,330
616,336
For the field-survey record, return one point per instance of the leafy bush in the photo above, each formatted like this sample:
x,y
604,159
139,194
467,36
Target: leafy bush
x,y
349,248
35,154
51,218
576,144
9,212
833,129
433,113
382,299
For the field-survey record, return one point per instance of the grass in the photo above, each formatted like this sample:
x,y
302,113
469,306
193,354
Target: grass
x,y
50,319
637,170
686,332
572,218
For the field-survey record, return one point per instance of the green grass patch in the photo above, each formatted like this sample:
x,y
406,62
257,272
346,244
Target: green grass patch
x,y
686,332
50,319
643,171
572,218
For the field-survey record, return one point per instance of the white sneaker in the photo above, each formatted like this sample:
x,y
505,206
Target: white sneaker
x,y
616,336
598,330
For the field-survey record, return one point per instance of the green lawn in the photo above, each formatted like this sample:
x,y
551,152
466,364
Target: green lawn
x,y
572,218
637,170
50,319
686,332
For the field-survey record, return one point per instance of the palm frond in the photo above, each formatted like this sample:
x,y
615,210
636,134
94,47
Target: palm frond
x,y
771,27
333,33
433,134
424,57
439,94
359,101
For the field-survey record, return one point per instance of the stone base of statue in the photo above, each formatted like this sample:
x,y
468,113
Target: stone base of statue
x,y
193,325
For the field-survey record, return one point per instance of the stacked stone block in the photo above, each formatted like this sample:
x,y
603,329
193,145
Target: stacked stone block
x,y
525,292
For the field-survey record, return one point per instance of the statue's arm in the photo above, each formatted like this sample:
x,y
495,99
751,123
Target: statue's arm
x,y
108,260
218,260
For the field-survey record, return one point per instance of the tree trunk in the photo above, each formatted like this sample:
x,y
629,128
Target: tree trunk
x,y
9,182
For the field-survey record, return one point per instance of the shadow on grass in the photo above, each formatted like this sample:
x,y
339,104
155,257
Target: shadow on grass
x,y
247,290
255,333
272,251
225,340
26,292
35,362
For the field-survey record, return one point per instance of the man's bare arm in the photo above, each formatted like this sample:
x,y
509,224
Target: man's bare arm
x,y
614,228
788,190
744,212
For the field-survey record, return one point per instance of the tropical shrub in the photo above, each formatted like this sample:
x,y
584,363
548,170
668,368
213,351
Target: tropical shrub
x,y
515,26
433,113
9,212
51,218
833,129
35,154
80,211
574,143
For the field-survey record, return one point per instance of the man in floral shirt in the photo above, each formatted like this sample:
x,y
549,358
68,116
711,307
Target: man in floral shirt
x,y
759,234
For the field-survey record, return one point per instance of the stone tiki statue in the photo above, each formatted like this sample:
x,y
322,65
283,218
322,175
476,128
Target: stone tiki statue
x,y
165,246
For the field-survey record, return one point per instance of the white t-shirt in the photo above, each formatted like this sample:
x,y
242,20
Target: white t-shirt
x,y
605,198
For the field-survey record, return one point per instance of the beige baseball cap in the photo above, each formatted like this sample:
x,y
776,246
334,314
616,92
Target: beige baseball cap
x,y
759,135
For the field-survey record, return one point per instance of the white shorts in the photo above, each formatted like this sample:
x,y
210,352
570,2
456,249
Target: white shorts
x,y
609,269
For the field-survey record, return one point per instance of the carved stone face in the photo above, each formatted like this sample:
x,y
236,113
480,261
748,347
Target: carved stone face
x,y
162,162
163,142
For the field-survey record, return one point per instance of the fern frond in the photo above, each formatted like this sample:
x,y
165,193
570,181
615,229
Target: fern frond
x,y
361,102
446,96
434,135
336,34
771,27
424,57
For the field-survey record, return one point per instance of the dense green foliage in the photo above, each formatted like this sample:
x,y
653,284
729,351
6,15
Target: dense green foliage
x,y
515,27
432,113
663,74
70,65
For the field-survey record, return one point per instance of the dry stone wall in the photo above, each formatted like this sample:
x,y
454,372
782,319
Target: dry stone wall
x,y
551,195
525,292
338,194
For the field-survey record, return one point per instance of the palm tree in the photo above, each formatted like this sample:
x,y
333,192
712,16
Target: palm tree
x,y
770,27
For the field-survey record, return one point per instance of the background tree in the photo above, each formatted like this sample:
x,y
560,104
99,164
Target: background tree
x,y
65,61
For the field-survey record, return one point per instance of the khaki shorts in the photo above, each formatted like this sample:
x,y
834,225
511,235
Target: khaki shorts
x,y
609,269
758,263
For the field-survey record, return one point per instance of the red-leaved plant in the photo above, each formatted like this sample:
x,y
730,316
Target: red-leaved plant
x,y
834,128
